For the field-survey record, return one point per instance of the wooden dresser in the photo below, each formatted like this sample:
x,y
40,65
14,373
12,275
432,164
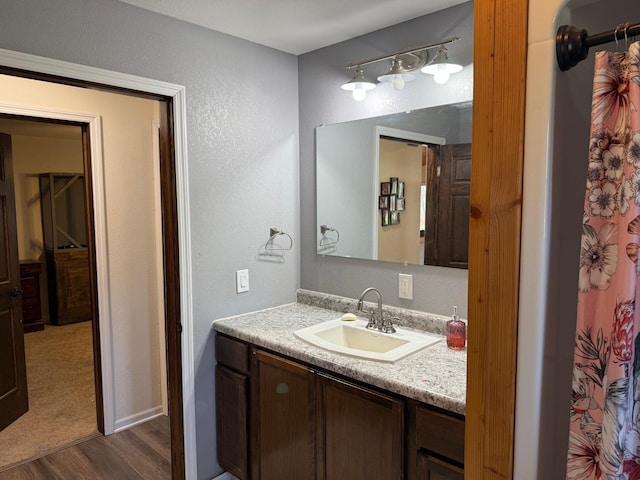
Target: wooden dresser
x,y
69,289
30,271
64,231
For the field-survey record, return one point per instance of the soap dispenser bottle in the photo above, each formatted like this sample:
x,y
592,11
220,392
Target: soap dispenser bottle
x,y
456,332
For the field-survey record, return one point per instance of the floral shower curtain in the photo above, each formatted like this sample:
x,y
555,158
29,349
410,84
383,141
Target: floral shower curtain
x,y
604,437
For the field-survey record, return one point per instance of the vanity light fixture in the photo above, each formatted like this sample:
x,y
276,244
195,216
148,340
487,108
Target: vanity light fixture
x,y
359,85
398,74
441,68
403,63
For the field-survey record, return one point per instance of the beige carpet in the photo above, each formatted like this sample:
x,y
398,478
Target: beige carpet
x,y
62,407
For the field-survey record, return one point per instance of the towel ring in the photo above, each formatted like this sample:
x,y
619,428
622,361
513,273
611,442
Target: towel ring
x,y
273,233
323,230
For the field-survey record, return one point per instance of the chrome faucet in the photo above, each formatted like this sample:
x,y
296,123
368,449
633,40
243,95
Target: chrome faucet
x,y
374,322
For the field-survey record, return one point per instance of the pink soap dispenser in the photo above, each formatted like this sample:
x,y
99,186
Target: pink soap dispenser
x,y
456,332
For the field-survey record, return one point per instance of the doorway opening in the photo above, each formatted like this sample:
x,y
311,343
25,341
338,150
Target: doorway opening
x,y
56,247
57,318
172,266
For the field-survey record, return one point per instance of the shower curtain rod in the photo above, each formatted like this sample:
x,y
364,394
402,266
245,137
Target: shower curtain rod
x,y
572,43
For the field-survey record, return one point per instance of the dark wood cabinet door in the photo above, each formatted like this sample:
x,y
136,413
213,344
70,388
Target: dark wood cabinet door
x,y
440,433
361,433
231,421
283,419
430,468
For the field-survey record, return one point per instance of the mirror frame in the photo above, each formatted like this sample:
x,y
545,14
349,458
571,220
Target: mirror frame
x,y
500,60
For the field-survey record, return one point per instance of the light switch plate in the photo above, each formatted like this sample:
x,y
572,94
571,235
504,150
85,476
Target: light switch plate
x,y
242,281
405,286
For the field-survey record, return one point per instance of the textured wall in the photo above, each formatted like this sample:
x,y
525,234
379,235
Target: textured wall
x,y
345,177
242,145
323,102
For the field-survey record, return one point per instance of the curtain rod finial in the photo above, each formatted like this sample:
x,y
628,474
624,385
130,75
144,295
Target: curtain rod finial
x,y
571,47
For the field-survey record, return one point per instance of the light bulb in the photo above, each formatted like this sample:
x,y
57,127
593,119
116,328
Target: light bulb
x,y
359,94
359,85
398,82
442,75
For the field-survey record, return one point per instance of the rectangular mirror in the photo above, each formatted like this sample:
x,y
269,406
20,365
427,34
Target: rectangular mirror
x,y
395,188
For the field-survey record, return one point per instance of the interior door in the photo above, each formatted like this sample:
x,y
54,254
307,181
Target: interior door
x,y
13,376
453,205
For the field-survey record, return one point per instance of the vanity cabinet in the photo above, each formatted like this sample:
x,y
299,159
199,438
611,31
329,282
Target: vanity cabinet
x,y
361,432
283,418
279,418
312,425
431,468
232,395
440,443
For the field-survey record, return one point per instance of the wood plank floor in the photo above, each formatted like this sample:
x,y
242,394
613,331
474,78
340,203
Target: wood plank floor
x,y
141,452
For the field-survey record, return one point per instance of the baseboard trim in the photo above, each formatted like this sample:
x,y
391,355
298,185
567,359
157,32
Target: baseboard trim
x,y
132,420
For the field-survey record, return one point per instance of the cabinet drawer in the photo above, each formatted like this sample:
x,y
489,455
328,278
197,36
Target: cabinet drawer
x,y
232,353
30,287
440,433
31,310
30,269
430,468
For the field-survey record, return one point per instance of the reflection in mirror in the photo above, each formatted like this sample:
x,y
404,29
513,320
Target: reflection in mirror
x,y
396,188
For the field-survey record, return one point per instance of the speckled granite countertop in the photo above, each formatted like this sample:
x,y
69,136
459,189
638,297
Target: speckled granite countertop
x,y
435,375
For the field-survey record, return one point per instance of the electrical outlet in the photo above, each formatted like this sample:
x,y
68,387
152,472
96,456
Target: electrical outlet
x,y
242,281
405,286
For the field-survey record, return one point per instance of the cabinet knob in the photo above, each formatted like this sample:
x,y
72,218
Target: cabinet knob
x,y
15,292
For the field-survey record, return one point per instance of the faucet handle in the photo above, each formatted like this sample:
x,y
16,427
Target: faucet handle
x,y
387,325
372,325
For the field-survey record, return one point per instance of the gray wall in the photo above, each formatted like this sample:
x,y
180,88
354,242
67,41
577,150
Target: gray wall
x,y
242,128
569,168
323,102
345,186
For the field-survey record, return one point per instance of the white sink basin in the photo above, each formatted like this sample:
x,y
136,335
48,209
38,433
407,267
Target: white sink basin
x,y
352,338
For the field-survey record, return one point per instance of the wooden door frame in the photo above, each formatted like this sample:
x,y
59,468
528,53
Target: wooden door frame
x,y
87,159
175,214
500,57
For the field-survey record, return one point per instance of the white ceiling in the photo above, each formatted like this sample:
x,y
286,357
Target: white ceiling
x,y
294,26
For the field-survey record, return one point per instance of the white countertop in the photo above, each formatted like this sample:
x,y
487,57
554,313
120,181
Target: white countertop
x,y
435,375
